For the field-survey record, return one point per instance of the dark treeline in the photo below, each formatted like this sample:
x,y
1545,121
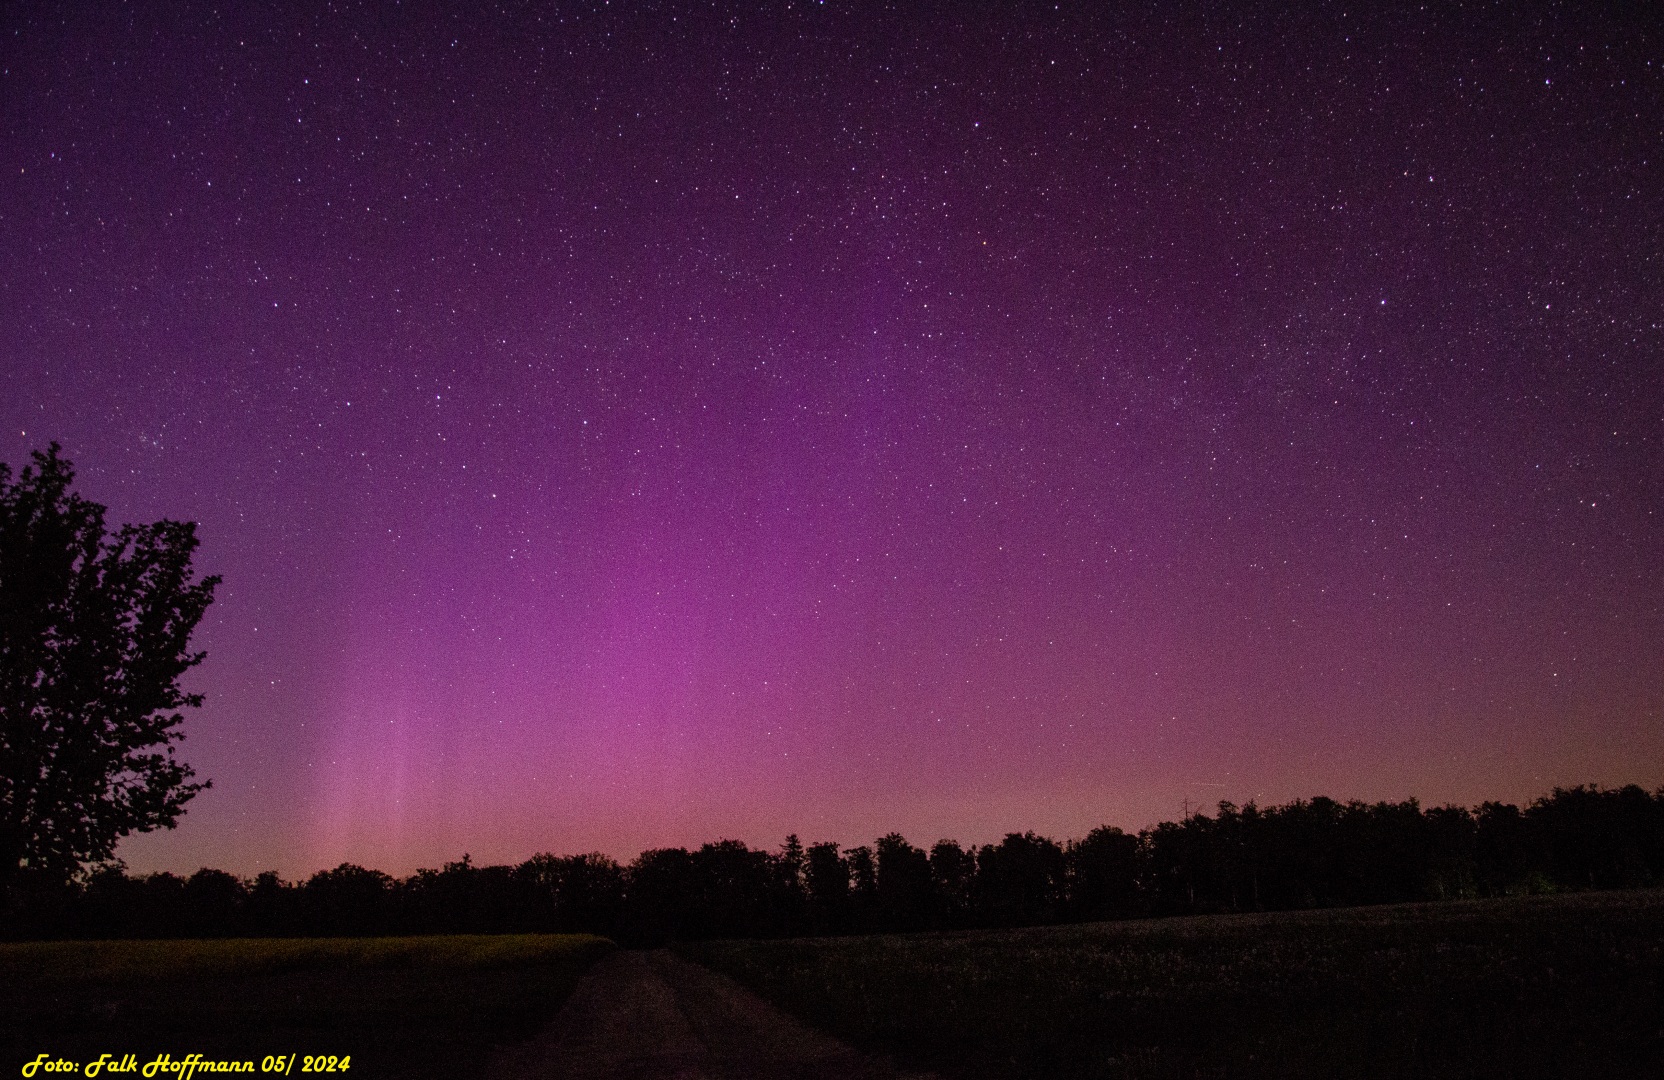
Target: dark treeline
x,y
1317,853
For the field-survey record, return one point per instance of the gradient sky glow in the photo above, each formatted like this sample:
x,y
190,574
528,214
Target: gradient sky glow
x,y
627,425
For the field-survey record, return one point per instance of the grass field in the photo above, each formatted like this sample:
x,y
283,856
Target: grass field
x,y
419,1006
1565,986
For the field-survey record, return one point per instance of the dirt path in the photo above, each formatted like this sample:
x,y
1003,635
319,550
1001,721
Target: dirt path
x,y
654,1016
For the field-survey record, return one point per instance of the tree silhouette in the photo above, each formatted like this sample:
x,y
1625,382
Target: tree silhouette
x,y
349,901
663,898
788,893
1020,882
93,634
863,880
826,876
732,889
1105,866
213,903
575,894
904,892
1595,839
952,870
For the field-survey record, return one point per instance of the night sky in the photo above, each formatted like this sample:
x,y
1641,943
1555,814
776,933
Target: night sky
x,y
623,426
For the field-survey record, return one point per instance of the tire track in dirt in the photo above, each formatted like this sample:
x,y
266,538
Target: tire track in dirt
x,y
655,1016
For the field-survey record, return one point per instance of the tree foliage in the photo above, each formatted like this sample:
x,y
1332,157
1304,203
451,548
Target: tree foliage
x,y
1306,853
94,629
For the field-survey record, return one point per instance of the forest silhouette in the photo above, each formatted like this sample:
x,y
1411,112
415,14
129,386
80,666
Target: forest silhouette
x,y
1304,854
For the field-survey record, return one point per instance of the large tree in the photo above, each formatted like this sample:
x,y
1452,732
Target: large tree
x,y
94,629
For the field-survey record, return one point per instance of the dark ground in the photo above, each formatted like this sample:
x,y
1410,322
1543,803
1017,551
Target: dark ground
x,y
1569,986
654,1016
391,1022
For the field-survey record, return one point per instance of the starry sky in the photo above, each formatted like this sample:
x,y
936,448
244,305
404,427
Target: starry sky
x,y
632,425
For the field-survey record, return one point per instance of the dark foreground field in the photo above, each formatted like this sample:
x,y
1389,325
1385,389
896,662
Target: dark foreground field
x,y
1530,987
399,1007
1534,987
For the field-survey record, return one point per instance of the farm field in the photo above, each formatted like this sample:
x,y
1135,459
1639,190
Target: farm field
x,y
1529,987
413,1006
